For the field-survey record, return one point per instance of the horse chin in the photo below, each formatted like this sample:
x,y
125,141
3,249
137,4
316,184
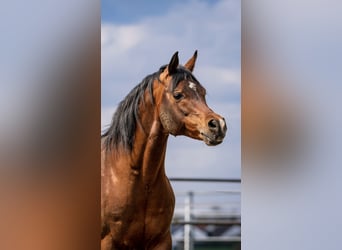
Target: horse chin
x,y
210,141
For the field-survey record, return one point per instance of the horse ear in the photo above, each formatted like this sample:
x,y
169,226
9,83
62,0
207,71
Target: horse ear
x,y
190,65
173,64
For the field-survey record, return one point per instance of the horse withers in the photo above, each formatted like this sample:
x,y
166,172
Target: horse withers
x,y
137,200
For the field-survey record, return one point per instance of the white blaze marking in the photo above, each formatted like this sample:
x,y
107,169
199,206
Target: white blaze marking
x,y
192,86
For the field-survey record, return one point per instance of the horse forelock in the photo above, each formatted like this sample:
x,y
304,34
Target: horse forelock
x,y
181,74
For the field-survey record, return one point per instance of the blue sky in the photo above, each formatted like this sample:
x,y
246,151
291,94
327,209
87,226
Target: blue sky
x,y
138,37
121,11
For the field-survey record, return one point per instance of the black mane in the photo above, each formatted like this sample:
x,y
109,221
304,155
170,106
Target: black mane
x,y
121,131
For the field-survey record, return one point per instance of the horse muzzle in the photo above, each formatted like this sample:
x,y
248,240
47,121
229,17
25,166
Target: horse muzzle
x,y
215,131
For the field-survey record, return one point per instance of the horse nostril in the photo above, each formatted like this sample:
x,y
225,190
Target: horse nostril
x,y
213,124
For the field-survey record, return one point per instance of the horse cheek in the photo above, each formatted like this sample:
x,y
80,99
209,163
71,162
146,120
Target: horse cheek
x,y
169,123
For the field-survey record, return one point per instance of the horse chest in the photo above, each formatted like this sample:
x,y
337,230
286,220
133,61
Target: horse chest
x,y
143,214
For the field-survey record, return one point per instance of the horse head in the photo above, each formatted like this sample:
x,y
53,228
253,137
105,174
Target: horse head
x,y
182,105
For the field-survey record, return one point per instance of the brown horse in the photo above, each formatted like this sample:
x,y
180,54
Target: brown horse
x,y
137,200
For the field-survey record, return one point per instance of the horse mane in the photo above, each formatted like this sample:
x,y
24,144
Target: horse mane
x,y
121,131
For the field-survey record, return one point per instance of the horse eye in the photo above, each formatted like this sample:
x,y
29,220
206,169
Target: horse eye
x,y
178,96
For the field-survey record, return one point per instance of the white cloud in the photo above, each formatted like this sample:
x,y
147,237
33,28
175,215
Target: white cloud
x,y
142,47
221,75
120,38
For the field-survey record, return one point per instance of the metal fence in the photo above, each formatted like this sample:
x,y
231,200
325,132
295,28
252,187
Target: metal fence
x,y
207,219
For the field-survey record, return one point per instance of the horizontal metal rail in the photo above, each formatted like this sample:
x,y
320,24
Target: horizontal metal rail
x,y
203,193
207,222
214,239
205,179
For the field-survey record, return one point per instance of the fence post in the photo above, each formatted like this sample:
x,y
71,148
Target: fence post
x,y
188,242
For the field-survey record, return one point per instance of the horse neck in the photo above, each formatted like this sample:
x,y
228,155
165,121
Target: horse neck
x,y
149,148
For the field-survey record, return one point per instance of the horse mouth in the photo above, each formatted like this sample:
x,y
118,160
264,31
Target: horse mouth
x,y
210,141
